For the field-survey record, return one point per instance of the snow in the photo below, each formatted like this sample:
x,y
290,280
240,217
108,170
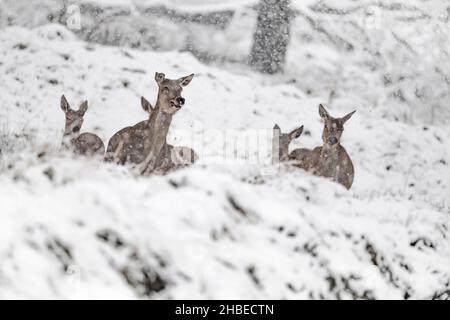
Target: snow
x,y
393,55
78,228
190,5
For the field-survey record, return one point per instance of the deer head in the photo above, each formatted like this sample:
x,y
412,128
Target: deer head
x,y
282,140
74,118
169,93
333,127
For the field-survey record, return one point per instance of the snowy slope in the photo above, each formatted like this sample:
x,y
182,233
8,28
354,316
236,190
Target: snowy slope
x,y
74,228
393,54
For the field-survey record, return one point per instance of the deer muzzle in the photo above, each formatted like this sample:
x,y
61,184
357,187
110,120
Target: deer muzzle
x,y
333,140
178,102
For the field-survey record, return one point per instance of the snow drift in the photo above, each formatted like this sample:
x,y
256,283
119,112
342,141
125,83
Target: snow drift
x,y
78,228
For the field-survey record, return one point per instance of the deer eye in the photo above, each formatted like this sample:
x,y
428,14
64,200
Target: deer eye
x,y
166,89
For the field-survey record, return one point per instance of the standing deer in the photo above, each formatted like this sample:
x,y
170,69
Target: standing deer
x,y
331,160
86,144
145,143
281,142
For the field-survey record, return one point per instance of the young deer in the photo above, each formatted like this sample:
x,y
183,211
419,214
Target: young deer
x,y
86,144
281,142
145,143
331,160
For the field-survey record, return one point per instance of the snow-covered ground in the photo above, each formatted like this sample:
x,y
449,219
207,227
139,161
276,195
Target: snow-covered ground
x,y
390,56
78,228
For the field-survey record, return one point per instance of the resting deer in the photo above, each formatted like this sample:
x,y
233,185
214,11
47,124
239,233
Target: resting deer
x,y
145,143
281,142
127,145
87,144
331,160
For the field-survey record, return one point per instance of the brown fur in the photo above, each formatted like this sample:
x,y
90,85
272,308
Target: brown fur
x,y
127,145
145,143
281,142
86,144
331,160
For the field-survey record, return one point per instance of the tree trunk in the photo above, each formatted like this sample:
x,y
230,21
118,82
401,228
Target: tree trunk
x,y
271,38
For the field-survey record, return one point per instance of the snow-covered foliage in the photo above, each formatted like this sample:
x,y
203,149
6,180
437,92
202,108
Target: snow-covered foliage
x,y
78,228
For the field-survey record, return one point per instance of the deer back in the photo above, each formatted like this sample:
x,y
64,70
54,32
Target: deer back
x,y
88,144
174,158
127,145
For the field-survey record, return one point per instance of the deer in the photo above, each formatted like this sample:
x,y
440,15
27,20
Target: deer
x,y
85,144
331,160
127,145
145,144
281,142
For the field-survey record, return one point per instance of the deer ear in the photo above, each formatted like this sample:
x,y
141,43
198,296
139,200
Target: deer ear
x,y
64,104
84,107
296,133
147,106
276,127
323,113
347,117
186,80
159,77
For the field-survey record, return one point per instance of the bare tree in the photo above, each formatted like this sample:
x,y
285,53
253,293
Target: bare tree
x,y
271,38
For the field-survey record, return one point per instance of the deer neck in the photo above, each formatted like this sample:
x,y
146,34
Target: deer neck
x,y
329,159
159,125
279,153
330,153
284,153
68,139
